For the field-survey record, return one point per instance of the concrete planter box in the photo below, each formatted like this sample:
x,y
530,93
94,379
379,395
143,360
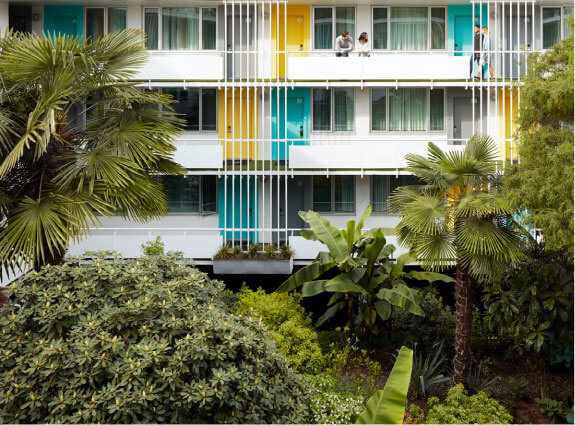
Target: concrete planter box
x,y
253,266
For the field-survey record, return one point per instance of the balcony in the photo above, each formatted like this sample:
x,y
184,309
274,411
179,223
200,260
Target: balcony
x,y
187,66
380,66
193,154
360,155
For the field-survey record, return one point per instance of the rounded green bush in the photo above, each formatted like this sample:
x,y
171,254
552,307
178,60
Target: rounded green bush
x,y
459,408
299,346
148,340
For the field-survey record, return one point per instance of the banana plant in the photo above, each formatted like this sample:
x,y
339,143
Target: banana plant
x,y
368,279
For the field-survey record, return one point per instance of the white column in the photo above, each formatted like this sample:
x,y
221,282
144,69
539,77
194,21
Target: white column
x,y
3,17
134,16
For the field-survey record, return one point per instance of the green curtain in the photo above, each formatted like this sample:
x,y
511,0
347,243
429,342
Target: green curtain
x,y
344,194
209,195
379,37
567,12
379,193
180,28
344,109
408,28
209,109
438,28
551,26
378,107
94,23
322,28
209,28
321,194
408,109
345,21
182,193
436,110
116,19
151,28
321,110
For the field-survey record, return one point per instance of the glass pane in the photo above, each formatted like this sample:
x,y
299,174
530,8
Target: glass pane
x,y
396,182
180,28
116,19
379,193
438,28
345,21
322,28
94,23
344,194
380,28
151,28
182,193
188,105
436,110
321,110
567,12
551,26
209,28
344,109
321,194
209,194
408,109
209,109
378,103
408,28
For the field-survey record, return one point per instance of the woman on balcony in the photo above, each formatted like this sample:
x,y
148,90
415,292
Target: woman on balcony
x,y
363,47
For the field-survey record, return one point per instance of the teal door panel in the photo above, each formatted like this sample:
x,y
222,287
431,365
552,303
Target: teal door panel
x,y
64,20
460,27
240,209
294,126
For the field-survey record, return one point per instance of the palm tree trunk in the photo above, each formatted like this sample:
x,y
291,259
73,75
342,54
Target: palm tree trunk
x,y
463,324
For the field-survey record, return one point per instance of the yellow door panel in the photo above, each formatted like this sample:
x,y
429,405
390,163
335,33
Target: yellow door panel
x,y
238,123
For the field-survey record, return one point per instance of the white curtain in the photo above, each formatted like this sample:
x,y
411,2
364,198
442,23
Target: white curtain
x,y
409,28
408,109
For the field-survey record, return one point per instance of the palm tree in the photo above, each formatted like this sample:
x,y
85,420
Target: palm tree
x,y
457,218
77,141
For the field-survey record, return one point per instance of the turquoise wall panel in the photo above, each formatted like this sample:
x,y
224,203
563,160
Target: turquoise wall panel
x,y
65,20
298,120
231,214
460,25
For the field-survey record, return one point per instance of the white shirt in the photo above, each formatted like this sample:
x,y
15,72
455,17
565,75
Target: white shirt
x,y
363,49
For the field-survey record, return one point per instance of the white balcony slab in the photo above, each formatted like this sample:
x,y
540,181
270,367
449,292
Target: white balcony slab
x,y
388,66
382,155
194,156
188,66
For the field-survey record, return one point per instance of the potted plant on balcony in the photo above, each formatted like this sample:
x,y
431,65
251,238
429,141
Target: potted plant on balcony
x,y
255,260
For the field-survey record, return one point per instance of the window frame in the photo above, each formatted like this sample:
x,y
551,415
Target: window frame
x,y
105,8
332,179
200,108
388,184
427,119
200,27
332,112
333,18
429,7
200,211
562,21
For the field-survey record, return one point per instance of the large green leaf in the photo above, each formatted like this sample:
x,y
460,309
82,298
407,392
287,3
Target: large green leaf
x,y
327,234
330,312
429,276
388,405
401,296
320,265
361,221
344,282
383,309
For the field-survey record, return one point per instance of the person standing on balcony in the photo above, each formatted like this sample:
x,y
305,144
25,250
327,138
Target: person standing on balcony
x,y
477,47
487,55
343,45
363,47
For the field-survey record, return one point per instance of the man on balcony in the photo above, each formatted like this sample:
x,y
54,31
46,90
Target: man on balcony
x,y
477,47
343,45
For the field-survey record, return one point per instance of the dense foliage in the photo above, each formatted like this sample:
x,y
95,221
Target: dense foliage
x,y
532,306
77,141
148,340
459,408
542,182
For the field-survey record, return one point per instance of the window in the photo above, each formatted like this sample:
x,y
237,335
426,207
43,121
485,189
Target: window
x,y
324,30
180,28
409,28
191,194
337,103
551,26
101,21
406,109
383,186
199,115
334,195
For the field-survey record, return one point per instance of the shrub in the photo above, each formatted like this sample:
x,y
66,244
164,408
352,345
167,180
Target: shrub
x,y
155,247
144,340
459,408
299,346
330,406
553,409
